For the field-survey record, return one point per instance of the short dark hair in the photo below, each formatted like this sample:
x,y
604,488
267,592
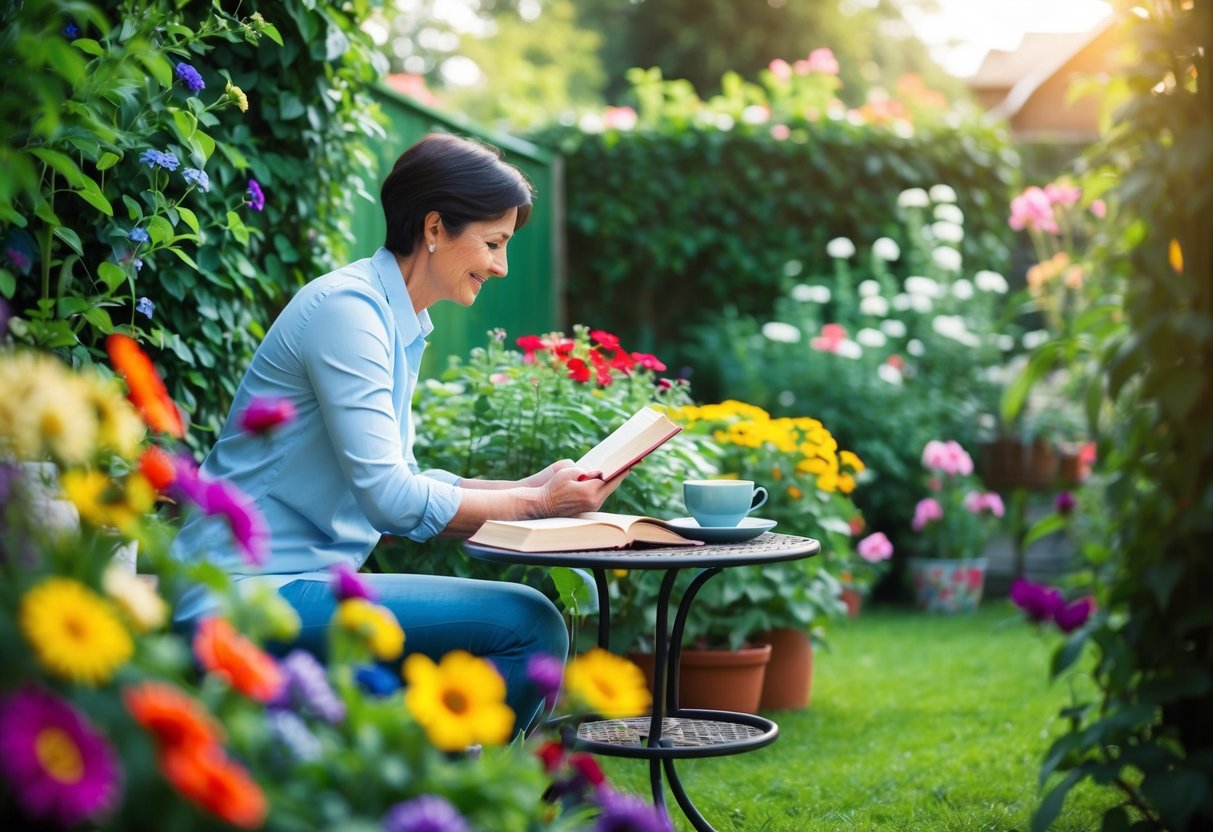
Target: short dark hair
x,y
464,180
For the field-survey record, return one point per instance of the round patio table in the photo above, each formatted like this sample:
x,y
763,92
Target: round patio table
x,y
669,733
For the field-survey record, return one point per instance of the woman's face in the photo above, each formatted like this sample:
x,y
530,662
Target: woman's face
x,y
463,264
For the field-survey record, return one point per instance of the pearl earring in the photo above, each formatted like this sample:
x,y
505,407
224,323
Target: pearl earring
x,y
431,248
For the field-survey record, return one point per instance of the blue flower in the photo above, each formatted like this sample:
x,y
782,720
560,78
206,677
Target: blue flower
x,y
146,307
154,158
256,196
197,177
377,680
71,31
191,77
138,235
428,813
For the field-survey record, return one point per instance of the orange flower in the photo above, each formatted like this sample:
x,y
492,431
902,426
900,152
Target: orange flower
x,y
176,719
158,467
1175,254
249,669
147,390
206,777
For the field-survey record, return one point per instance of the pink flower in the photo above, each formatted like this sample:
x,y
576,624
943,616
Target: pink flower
x,y
975,502
781,69
1033,210
649,362
781,132
875,548
263,415
947,457
1062,194
831,336
1099,208
927,511
619,118
347,584
820,60
499,378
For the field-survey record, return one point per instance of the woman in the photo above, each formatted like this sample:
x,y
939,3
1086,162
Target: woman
x,y
346,352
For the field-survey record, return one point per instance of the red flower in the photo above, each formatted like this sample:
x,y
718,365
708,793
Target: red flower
x,y
147,391
552,755
224,652
857,525
588,768
623,362
264,414
601,367
578,371
605,339
175,718
209,779
158,467
560,346
530,344
649,362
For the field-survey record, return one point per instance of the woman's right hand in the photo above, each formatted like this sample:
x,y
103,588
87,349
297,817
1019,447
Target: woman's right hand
x,y
573,490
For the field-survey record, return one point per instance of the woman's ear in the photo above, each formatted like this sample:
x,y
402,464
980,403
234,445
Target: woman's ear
x,y
430,229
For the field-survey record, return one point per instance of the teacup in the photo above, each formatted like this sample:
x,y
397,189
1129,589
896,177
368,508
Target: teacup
x,y
721,503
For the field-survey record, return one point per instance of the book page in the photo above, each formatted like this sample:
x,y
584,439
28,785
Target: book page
x,y
627,443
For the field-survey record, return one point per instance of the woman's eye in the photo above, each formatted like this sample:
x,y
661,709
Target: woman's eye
x,y
493,246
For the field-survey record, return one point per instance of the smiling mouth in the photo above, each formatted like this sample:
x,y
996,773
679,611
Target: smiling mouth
x,y
479,280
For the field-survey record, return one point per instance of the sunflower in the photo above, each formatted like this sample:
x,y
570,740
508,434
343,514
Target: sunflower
x,y
374,624
459,702
607,684
74,632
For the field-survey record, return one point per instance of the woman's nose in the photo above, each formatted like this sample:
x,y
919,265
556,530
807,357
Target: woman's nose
x,y
500,264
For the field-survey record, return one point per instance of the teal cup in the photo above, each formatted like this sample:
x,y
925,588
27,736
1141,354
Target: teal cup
x,y
721,503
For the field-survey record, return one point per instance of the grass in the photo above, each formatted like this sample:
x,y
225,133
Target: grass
x,y
916,722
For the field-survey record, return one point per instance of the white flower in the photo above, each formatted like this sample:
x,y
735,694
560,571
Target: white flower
x,y
918,285
988,281
848,349
947,232
792,268
947,212
914,347
875,306
913,198
802,292
946,258
819,294
840,248
591,123
868,288
779,331
1033,339
953,326
1006,343
903,129
962,289
942,193
450,387
886,248
921,303
724,122
869,337
901,302
786,398
889,373
893,328
756,114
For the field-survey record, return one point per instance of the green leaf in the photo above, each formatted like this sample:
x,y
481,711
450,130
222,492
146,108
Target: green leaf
x,y
236,225
71,238
1043,528
159,229
185,258
111,275
1069,652
108,160
271,32
1049,807
89,46
189,218
91,194
159,67
99,318
203,143
62,164
577,591
186,124
8,283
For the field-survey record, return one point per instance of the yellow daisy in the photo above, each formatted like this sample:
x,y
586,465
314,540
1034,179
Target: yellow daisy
x,y
74,632
460,702
607,684
374,624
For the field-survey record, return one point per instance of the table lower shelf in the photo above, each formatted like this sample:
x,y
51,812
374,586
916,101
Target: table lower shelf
x,y
684,734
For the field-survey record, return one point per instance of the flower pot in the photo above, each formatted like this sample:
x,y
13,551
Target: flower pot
x,y
1013,463
789,677
718,680
853,599
948,585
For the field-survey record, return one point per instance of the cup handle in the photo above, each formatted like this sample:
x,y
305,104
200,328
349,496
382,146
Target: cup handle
x,y
760,497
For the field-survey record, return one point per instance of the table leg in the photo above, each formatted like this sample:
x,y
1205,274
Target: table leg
x,y
604,608
684,800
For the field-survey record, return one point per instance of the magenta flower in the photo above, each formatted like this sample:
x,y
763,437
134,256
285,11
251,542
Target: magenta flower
x,y
263,415
59,768
428,813
625,813
927,511
875,548
1072,616
256,196
248,526
1064,503
546,673
347,584
1038,601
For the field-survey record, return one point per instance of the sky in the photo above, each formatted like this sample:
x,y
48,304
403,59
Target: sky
x,y
964,30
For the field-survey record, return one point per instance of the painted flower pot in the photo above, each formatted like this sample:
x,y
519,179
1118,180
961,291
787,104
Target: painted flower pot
x,y
948,585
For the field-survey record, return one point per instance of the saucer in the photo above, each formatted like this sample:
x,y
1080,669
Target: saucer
x,y
749,528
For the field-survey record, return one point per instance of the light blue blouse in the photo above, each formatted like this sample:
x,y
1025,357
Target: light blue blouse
x,y
346,351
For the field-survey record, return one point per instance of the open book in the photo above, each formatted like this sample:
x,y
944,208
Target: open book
x,y
589,530
629,443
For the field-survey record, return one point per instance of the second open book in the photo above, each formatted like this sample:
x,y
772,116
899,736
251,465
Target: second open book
x,y
590,530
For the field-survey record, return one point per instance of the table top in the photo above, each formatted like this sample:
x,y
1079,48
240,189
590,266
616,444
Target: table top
x,y
766,548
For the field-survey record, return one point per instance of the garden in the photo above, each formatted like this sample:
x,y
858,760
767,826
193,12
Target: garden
x,y
950,353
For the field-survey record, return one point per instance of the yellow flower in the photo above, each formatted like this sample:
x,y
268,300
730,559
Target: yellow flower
x,y
607,684
65,423
237,95
119,426
105,503
1176,255
373,623
846,483
459,702
851,460
74,632
136,597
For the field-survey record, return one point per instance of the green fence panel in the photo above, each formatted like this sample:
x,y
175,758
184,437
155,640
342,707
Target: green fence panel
x,y
528,300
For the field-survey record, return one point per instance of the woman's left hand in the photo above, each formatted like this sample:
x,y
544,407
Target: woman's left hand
x,y
543,477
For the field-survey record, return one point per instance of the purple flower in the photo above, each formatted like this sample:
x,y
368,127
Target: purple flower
x,y
1064,503
624,813
138,235
154,158
545,673
4,316
243,516
197,177
307,687
1072,616
256,197
347,584
428,813
59,768
1038,601
145,306
377,680
191,77
263,415
292,733
18,258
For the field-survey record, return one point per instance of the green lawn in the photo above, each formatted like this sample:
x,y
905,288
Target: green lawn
x,y
917,722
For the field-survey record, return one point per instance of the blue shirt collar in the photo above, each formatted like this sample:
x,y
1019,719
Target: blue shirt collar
x,y
413,325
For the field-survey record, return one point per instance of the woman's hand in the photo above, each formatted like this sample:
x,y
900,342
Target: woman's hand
x,y
571,490
544,477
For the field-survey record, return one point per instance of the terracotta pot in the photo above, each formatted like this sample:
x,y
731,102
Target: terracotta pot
x,y
948,585
1012,463
853,598
718,680
789,677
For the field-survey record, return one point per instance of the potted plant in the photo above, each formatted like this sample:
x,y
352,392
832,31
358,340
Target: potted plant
x,y
872,555
953,523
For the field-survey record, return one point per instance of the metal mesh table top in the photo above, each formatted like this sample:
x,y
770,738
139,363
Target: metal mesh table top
x,y
769,547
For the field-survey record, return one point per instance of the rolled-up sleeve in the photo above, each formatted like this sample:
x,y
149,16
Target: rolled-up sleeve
x,y
356,371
